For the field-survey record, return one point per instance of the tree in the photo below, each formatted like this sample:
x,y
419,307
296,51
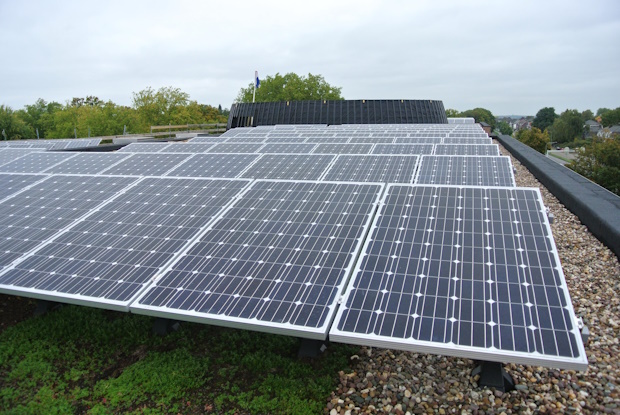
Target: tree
x,y
567,127
611,117
504,128
481,115
544,118
39,116
13,126
534,138
158,107
452,113
600,111
587,115
600,162
290,87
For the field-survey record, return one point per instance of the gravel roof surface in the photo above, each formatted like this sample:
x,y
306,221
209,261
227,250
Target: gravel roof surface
x,y
394,382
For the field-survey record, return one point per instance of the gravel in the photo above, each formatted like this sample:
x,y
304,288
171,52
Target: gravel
x,y
386,381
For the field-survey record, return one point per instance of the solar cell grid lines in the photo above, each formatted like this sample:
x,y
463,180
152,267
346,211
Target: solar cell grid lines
x,y
465,170
343,148
462,271
211,139
373,168
144,147
245,140
289,166
188,148
403,149
12,183
284,138
235,148
87,163
8,155
214,165
287,148
467,149
458,140
35,214
35,162
372,140
417,140
275,261
111,255
147,164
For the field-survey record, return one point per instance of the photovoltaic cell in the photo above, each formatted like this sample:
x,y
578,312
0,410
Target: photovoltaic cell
x,y
331,148
188,148
462,271
35,162
235,148
289,166
373,168
112,254
214,165
465,170
12,183
8,155
287,148
467,149
418,140
462,140
276,261
34,215
403,149
87,163
144,147
147,164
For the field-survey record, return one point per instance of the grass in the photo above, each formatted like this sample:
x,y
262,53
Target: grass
x,y
556,155
84,360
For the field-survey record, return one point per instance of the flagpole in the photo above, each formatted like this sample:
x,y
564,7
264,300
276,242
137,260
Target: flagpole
x,y
254,94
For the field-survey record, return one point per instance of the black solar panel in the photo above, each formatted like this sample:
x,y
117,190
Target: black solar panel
x,y
112,254
289,167
470,272
276,261
373,168
146,164
465,170
214,165
34,215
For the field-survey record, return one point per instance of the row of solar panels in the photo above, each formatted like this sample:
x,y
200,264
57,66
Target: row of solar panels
x,y
60,144
312,148
426,169
465,271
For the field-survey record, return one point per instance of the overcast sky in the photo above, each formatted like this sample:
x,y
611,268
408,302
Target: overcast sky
x,y
509,57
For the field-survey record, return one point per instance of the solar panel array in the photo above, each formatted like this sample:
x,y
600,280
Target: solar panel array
x,y
404,236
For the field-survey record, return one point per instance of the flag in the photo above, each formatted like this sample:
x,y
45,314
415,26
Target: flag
x,y
257,82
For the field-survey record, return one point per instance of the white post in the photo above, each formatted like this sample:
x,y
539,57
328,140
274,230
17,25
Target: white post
x,y
254,93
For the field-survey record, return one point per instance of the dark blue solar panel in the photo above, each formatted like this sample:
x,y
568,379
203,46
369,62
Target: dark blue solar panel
x,y
12,183
87,163
289,166
146,164
35,162
373,168
214,165
465,170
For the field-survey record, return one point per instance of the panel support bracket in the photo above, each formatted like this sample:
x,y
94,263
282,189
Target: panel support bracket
x,y
164,326
44,306
492,374
311,348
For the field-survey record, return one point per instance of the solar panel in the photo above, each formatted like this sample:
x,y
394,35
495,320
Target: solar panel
x,y
34,215
275,261
462,271
287,148
366,139
289,166
284,138
12,183
467,149
188,148
112,254
35,162
466,170
240,139
462,140
403,149
144,147
343,148
417,140
208,139
373,168
325,139
214,165
147,164
235,148
87,163
8,155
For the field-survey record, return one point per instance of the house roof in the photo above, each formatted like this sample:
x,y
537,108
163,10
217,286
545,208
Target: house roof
x,y
592,122
484,124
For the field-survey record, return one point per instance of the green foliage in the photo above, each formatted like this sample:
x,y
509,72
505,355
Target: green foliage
x,y
544,118
452,113
481,115
567,127
14,127
587,115
534,138
86,360
600,111
504,128
600,162
611,117
290,87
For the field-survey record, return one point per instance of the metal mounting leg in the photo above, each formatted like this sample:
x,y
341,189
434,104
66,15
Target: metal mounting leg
x,y
493,375
311,348
44,307
164,326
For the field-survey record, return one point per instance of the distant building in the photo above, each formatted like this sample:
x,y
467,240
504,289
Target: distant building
x,y
522,124
486,127
592,128
613,131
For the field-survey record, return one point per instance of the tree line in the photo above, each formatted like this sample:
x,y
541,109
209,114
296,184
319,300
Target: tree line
x,y
90,116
